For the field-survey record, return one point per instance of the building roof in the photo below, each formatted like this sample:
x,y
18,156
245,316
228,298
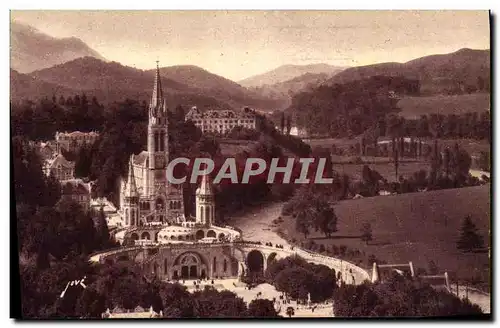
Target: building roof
x,y
141,158
60,160
77,134
196,113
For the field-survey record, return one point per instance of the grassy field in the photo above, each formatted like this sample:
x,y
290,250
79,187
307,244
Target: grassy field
x,y
417,227
413,107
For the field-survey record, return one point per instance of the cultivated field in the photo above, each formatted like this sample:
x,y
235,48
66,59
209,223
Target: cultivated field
x,y
417,227
413,107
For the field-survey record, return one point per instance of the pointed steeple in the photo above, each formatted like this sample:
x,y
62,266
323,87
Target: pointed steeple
x,y
205,186
157,100
130,188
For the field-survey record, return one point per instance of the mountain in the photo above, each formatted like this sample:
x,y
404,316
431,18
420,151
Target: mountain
x,y
32,50
461,71
288,72
284,91
217,86
25,87
186,85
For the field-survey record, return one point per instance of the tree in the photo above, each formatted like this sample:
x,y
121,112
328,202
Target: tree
x,y
395,155
433,268
282,123
179,113
290,311
366,232
302,222
176,300
261,308
327,221
288,125
90,304
485,161
469,239
211,303
102,229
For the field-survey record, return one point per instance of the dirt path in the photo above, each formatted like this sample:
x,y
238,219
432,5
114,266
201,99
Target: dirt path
x,y
483,300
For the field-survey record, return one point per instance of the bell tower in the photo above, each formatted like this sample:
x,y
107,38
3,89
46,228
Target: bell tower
x,y
166,200
205,204
157,150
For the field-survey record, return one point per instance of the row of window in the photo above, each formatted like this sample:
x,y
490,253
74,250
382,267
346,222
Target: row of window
x,y
81,138
225,121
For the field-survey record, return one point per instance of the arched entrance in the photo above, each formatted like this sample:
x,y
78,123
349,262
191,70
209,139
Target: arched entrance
x,y
145,235
134,236
255,262
211,234
190,266
200,234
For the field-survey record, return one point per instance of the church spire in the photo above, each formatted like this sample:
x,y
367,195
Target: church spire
x,y
157,100
205,186
131,188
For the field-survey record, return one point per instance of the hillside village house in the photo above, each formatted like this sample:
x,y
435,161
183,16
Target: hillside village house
x,y
221,121
60,167
78,191
47,150
72,141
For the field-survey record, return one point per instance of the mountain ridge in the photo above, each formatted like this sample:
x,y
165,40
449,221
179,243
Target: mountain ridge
x,y
112,81
49,51
287,72
438,74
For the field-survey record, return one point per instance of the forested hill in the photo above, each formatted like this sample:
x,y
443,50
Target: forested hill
x,y
350,109
466,70
111,81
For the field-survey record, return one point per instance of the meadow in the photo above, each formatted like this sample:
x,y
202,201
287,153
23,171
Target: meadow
x,y
418,227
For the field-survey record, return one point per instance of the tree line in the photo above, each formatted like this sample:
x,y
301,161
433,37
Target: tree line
x,y
350,109
400,296
347,110
122,285
41,120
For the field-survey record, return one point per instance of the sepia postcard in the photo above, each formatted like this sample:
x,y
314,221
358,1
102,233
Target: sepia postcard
x,y
250,164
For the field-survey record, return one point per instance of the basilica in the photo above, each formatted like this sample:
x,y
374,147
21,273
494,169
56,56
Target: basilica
x,y
145,195
152,209
169,245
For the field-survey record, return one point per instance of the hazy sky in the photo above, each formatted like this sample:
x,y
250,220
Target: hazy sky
x,y
238,44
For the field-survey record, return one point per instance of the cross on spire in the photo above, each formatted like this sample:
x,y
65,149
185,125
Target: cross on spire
x,y
157,96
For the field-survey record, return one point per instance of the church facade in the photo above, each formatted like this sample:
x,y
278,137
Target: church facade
x,y
145,195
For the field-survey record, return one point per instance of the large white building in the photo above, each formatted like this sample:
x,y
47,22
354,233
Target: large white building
x,y
221,121
73,141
